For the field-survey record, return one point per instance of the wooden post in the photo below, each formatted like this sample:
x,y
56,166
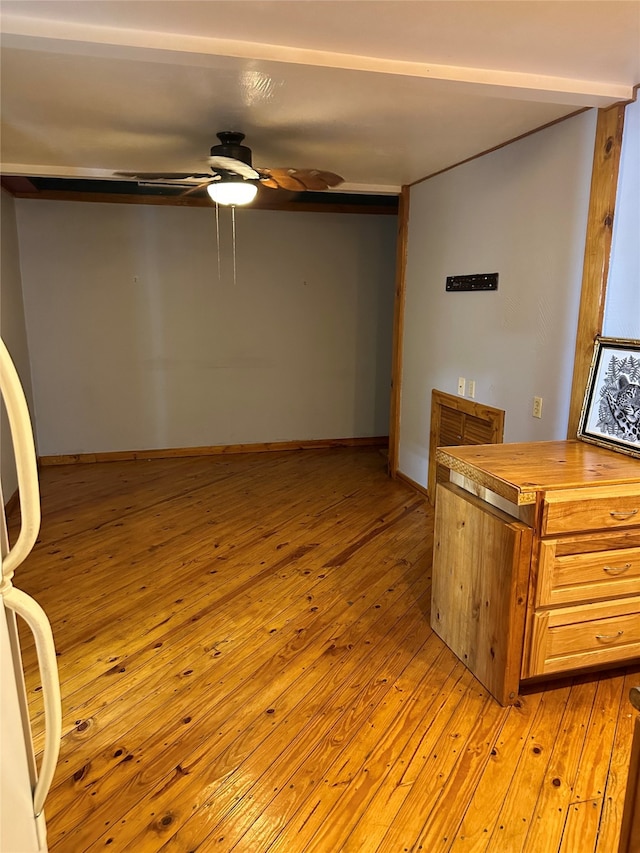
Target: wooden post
x,y
604,185
398,329
630,832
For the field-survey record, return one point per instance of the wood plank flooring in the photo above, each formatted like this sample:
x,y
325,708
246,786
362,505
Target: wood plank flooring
x,y
247,664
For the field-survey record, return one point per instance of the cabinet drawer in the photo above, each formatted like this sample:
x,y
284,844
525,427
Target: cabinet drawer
x,y
586,577
603,508
571,638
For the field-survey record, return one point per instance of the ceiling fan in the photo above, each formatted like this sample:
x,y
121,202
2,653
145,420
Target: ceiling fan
x,y
233,179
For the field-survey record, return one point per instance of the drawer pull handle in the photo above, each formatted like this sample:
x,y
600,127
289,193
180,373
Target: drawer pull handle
x,y
622,516
609,636
617,570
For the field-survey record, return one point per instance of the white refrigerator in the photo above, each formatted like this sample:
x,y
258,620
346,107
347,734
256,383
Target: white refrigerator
x,y
23,786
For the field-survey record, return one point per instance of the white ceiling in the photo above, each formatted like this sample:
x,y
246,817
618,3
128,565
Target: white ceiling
x,y
383,92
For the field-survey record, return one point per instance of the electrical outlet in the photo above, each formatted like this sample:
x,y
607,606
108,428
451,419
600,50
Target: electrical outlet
x,y
461,384
537,407
471,388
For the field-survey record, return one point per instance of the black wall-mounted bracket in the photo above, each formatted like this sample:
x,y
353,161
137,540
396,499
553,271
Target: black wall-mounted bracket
x,y
477,281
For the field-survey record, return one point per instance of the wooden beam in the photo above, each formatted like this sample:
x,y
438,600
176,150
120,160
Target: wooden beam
x,y
398,330
604,185
191,201
15,184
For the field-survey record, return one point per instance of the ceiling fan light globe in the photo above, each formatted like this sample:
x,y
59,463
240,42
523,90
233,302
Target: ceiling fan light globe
x,y
232,192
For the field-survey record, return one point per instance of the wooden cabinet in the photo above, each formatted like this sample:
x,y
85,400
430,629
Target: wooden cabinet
x,y
537,560
630,831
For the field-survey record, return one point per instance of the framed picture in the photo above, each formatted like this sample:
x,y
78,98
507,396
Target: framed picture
x,y
611,410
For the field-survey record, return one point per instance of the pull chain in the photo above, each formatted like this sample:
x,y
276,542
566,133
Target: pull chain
x,y
233,238
233,231
218,239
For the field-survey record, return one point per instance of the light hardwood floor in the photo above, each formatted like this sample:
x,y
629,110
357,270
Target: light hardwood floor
x,y
247,664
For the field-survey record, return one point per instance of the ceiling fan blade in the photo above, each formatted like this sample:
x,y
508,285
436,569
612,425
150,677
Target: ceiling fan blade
x,y
301,179
268,182
329,178
229,164
312,179
196,187
162,176
283,180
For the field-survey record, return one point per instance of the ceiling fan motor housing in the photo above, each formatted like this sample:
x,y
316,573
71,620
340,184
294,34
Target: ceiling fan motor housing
x,y
231,146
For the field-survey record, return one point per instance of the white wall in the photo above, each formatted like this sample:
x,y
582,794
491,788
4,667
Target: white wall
x,y
12,331
135,344
622,306
520,211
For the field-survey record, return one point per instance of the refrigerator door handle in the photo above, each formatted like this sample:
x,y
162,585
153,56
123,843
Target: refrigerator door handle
x,y
26,464
18,602
35,617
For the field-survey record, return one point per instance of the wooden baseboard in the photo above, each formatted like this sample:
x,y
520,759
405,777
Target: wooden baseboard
x,y
215,450
423,491
12,504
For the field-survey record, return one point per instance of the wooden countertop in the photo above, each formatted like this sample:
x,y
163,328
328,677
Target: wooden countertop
x,y
518,471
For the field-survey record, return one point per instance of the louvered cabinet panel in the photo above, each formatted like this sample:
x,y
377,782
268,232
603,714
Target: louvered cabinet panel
x,y
456,421
451,427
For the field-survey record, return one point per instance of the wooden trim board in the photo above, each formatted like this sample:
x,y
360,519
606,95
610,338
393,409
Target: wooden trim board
x,y
412,483
12,504
597,252
398,331
500,145
214,450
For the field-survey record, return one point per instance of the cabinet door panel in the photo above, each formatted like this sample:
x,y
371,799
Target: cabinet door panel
x,y
479,588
